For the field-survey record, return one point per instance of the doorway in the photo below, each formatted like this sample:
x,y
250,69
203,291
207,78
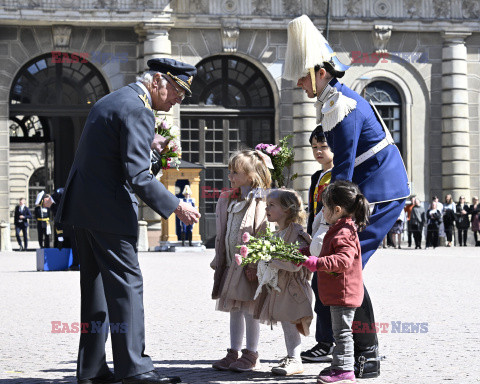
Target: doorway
x,y
231,108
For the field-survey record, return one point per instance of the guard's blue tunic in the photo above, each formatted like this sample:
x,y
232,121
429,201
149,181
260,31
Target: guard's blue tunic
x,y
382,178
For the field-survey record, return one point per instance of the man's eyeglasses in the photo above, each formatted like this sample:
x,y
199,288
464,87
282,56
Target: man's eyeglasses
x,y
180,94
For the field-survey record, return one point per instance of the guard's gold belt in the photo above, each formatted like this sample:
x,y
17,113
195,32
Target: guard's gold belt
x,y
47,219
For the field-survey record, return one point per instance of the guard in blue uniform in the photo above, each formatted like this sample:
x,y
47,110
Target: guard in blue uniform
x,y
364,153
112,165
186,230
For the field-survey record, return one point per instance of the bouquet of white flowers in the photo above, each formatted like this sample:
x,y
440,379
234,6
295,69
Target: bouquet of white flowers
x,y
264,248
170,157
267,247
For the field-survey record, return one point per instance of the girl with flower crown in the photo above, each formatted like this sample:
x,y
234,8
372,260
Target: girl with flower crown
x,y
240,210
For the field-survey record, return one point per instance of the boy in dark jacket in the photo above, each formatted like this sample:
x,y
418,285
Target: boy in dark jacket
x,y
323,329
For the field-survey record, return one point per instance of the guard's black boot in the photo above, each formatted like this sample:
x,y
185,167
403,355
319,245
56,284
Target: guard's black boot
x,y
189,235
183,239
367,364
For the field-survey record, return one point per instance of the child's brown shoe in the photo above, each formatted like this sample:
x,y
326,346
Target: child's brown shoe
x,y
224,364
248,362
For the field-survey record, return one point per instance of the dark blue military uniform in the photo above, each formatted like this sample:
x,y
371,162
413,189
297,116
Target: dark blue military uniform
x,y
382,178
42,215
111,166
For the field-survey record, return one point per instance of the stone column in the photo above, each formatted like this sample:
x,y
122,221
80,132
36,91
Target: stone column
x,y
157,42
4,151
455,130
304,122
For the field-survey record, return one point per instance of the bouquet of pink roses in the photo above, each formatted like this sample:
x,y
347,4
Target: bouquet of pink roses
x,y
267,247
170,157
282,159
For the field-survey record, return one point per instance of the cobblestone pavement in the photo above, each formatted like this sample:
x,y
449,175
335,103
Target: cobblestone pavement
x,y
185,334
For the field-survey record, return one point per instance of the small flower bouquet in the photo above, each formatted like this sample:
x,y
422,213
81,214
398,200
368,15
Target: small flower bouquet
x,y
171,156
282,159
267,247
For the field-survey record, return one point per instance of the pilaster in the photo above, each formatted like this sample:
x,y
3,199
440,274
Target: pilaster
x,y
455,127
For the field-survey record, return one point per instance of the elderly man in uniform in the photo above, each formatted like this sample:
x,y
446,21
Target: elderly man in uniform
x,y
364,153
111,165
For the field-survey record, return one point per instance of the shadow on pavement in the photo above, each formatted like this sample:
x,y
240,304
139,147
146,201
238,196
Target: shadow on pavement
x,y
36,380
190,372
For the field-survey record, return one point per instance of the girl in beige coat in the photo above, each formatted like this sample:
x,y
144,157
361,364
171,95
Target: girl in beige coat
x,y
240,210
288,299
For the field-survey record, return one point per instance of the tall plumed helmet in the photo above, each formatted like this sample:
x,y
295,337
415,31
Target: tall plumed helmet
x,y
39,198
187,190
307,48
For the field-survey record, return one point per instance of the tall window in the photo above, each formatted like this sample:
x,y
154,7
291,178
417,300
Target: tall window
x,y
231,108
50,99
387,100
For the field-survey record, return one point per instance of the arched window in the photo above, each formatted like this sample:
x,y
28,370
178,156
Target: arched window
x,y
388,102
50,99
59,84
232,107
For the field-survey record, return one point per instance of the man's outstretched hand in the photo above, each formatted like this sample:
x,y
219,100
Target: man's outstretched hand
x,y
187,213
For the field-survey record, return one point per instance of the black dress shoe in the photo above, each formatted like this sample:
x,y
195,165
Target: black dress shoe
x,y
151,377
108,379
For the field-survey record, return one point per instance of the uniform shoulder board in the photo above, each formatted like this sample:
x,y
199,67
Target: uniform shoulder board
x,y
144,98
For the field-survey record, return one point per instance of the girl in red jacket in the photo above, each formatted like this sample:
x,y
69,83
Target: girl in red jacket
x,y
339,272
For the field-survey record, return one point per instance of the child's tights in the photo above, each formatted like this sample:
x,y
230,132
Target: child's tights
x,y
293,341
240,320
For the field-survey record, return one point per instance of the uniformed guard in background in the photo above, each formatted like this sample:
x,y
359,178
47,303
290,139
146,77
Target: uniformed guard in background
x,y
42,215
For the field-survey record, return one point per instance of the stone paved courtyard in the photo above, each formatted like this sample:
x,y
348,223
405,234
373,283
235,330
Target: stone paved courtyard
x,y
185,334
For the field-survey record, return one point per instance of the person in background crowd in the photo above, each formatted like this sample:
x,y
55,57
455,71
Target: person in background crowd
x,y
434,219
417,222
21,216
397,230
441,229
462,221
448,213
42,215
408,209
475,219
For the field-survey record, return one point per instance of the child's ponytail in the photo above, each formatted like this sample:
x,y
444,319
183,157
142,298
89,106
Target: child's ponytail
x,y
361,211
348,196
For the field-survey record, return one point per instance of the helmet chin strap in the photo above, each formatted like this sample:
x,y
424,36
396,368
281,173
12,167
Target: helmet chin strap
x,y
312,77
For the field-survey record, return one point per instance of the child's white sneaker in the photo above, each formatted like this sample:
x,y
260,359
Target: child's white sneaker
x,y
288,366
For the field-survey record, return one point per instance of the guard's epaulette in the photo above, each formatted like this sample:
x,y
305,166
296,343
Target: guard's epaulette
x,y
144,98
334,109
